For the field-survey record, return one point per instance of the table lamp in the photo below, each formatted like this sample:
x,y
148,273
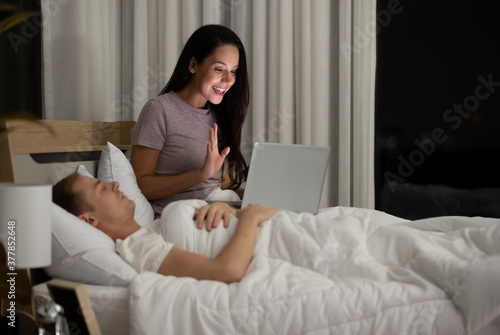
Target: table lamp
x,y
25,237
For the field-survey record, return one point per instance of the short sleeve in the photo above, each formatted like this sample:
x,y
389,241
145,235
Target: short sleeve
x,y
150,129
144,250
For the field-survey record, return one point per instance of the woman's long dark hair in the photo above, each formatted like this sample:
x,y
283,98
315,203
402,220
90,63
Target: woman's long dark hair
x,y
231,112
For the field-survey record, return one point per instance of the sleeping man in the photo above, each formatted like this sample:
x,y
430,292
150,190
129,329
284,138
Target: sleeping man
x,y
103,206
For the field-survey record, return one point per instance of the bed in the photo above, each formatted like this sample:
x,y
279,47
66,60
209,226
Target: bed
x,y
343,271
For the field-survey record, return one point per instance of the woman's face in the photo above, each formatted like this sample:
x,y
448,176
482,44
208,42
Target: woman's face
x,y
213,77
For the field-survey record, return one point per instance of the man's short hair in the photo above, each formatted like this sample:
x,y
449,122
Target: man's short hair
x,y
64,195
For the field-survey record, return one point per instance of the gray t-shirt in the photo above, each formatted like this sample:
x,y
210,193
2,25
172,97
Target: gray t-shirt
x,y
181,133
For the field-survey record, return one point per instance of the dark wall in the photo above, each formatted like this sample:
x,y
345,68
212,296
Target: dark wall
x,y
21,58
438,107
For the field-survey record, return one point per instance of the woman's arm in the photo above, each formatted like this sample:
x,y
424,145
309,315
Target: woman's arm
x,y
226,184
144,161
231,263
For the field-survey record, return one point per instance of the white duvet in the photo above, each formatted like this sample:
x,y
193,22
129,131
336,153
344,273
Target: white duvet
x,y
343,271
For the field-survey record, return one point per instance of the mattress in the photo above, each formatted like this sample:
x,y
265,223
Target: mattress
x,y
110,306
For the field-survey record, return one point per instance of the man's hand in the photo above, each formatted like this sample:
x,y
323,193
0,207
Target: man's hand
x,y
213,160
212,214
256,213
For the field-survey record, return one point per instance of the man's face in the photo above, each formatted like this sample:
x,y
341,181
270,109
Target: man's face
x,y
107,202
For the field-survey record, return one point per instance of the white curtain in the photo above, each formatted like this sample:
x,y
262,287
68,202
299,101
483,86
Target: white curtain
x,y
311,67
81,58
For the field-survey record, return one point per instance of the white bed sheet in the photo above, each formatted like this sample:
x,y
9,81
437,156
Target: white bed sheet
x,y
110,306
344,271
490,329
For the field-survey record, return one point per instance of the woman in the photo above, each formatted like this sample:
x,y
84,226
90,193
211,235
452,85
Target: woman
x,y
205,100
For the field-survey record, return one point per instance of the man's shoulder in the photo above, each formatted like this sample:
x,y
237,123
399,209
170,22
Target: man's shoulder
x,y
153,226
145,232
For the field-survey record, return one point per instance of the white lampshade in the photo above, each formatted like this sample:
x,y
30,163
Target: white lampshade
x,y
25,213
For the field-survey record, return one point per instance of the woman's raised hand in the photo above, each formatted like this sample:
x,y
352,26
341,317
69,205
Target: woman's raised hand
x,y
214,159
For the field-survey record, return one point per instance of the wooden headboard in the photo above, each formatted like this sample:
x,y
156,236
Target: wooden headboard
x,y
58,136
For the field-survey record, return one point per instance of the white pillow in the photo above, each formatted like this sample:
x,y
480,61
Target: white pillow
x,y
114,166
83,253
82,170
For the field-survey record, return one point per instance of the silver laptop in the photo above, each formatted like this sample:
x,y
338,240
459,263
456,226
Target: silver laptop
x,y
286,176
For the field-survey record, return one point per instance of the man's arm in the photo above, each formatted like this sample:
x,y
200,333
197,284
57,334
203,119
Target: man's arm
x,y
231,263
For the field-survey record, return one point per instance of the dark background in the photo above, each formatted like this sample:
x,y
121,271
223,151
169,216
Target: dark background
x,y
21,58
430,56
